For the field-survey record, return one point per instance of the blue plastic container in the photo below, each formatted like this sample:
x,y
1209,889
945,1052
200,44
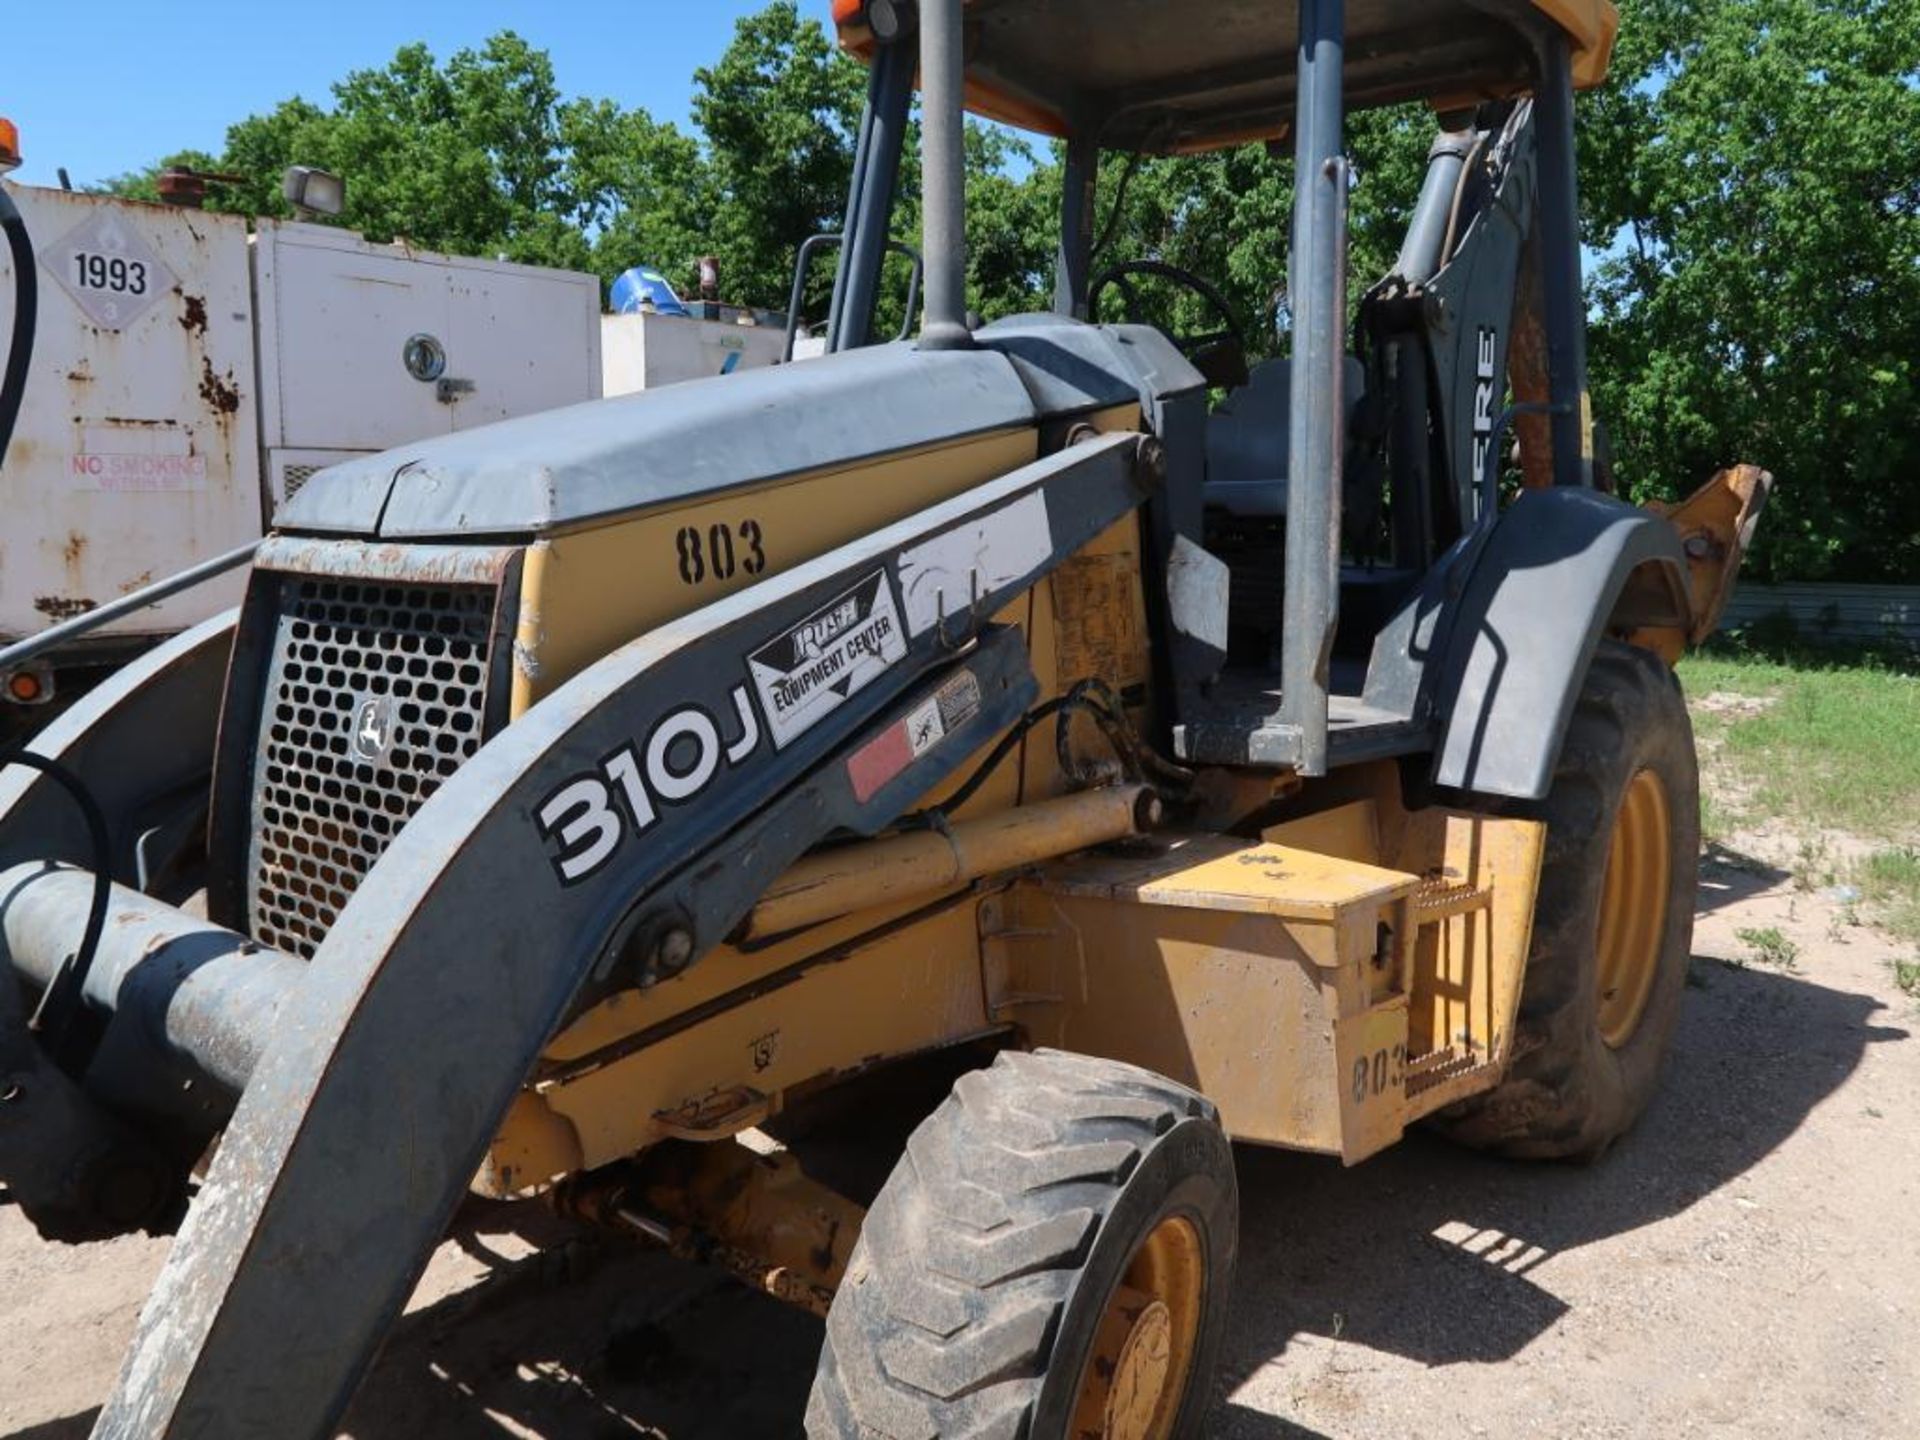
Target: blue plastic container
x,y
641,290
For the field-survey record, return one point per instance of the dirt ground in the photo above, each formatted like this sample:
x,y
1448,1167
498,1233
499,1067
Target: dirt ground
x,y
1746,1264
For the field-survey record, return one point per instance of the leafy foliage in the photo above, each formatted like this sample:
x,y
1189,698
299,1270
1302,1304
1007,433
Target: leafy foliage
x,y
1750,182
1753,173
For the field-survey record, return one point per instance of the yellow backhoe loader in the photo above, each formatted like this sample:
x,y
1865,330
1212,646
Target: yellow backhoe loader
x,y
1193,751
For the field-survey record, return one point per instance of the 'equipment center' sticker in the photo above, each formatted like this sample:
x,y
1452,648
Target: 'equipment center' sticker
x,y
814,668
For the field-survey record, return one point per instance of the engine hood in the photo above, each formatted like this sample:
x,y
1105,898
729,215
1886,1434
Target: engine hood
x,y
532,475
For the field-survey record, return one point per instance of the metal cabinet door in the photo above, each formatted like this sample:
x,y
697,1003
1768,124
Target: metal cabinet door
x,y
337,316
524,339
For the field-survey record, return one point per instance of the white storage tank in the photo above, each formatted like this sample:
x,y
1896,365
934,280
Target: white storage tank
x,y
646,350
137,447
188,375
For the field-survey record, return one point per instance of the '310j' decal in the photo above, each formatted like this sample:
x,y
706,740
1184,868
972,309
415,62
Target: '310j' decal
x,y
588,816
800,675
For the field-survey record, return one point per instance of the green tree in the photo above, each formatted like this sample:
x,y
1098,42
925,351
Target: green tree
x,y
778,112
1227,215
1753,176
479,155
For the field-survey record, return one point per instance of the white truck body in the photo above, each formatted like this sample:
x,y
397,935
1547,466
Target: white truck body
x,y
186,376
646,351
137,448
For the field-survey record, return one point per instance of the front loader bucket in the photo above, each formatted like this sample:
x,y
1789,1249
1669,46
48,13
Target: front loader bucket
x,y
637,813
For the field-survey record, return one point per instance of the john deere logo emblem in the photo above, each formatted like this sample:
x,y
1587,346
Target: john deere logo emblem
x,y
372,728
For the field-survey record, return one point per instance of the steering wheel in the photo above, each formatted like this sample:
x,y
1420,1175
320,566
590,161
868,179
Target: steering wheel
x,y
1222,351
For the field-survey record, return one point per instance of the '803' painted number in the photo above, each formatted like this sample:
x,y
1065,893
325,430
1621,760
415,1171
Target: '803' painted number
x,y
720,551
1374,1075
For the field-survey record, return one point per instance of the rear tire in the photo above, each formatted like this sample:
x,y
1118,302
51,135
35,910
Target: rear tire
x,y
1605,975
1056,1209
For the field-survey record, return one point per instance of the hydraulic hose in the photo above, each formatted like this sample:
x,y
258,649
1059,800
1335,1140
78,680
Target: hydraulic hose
x,y
59,1008
26,314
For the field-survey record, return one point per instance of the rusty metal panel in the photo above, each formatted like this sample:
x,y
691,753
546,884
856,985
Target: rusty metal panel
x,y
137,452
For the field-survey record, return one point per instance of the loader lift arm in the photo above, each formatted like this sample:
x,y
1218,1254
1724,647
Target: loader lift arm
x,y
363,1123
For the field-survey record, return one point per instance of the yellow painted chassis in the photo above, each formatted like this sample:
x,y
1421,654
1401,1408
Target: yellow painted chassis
x,y
1326,977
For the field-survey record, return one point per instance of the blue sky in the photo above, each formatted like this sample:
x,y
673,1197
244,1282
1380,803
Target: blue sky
x,y
111,85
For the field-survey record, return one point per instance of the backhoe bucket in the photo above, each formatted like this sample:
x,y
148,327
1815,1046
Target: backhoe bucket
x,y
1716,525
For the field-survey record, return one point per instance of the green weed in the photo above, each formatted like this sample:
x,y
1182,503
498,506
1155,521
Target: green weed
x,y
1770,947
1835,745
1889,880
1906,974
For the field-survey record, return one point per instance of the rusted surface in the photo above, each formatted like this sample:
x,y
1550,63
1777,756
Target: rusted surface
x,y
61,607
218,391
182,187
1527,371
378,560
137,454
757,1216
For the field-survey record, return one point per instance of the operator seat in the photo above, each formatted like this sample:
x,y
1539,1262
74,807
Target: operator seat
x,y
1247,438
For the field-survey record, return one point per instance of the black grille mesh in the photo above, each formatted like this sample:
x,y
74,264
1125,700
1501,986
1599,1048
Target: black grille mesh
x,y
322,812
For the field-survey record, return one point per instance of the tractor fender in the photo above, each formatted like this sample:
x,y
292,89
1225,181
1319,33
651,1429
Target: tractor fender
x,y
1559,569
137,741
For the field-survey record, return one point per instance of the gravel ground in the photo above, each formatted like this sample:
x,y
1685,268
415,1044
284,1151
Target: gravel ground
x,y
1746,1264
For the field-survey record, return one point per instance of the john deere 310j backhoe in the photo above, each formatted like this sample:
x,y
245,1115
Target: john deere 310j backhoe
x,y
1207,752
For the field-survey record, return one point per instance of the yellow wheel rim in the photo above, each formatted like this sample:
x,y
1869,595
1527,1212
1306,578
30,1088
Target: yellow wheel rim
x,y
1633,907
1143,1349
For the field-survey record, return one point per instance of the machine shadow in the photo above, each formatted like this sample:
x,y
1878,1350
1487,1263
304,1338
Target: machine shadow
x,y
1425,1251
1729,876
72,1427
625,1343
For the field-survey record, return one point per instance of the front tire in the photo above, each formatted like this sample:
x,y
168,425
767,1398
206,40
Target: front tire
x,y
1051,1257
1613,922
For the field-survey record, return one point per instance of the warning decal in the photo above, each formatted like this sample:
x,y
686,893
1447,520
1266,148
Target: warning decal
x,y
814,668
109,269
900,744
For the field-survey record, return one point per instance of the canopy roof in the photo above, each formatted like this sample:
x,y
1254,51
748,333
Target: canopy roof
x,y
1170,76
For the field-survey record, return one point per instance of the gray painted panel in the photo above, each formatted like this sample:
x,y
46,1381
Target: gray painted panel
x,y
342,499
1521,635
1070,366
607,457
142,735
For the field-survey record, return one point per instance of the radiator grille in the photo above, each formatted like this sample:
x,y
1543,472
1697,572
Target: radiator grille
x,y
294,476
375,694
